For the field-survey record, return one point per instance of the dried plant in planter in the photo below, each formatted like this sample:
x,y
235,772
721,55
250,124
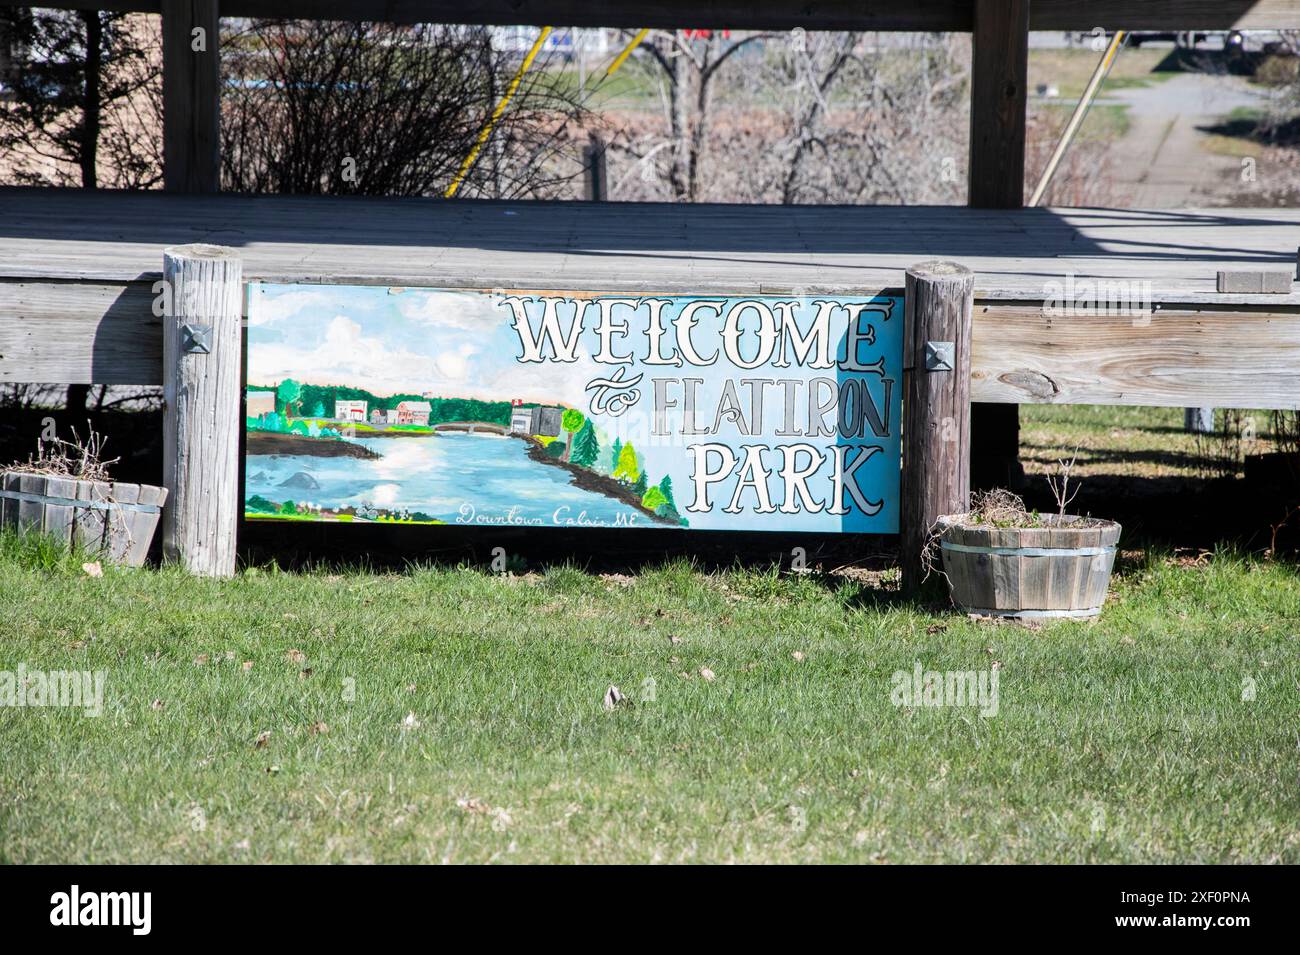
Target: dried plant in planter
x,y
75,459
1001,560
66,492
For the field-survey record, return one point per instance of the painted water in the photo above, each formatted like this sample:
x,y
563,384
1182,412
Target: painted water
x,y
454,477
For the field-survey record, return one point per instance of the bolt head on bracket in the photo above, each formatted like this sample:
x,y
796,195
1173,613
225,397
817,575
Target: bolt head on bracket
x,y
940,356
196,339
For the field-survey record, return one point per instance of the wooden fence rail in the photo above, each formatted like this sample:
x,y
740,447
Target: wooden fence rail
x,y
143,332
1231,356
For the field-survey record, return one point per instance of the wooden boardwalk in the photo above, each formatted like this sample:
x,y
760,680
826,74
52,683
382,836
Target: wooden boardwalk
x,y
118,237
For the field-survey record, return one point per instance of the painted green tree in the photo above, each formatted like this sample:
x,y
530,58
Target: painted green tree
x,y
572,420
666,488
653,499
290,393
627,469
586,448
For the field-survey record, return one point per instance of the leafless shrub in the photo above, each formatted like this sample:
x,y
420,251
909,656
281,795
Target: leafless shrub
x,y
826,117
378,109
82,460
1083,177
1285,426
1059,482
85,99
1221,453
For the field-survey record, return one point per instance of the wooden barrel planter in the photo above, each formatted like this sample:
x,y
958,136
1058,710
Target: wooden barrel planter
x,y
1062,570
110,520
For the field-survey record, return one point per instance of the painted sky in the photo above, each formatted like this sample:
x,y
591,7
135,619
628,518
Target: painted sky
x,y
388,341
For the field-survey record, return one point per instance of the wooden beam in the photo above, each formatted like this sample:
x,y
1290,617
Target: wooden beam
x,y
996,180
890,15
1165,15
1244,358
1235,357
999,71
74,333
936,405
202,364
191,96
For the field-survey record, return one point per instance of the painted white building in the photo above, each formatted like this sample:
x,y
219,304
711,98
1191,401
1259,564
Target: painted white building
x,y
523,420
350,411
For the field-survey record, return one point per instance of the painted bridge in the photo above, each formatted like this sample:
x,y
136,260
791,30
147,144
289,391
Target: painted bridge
x,y
471,426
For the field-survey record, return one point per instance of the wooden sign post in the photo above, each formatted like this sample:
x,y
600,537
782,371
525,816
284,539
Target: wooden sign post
x,y
939,300
201,421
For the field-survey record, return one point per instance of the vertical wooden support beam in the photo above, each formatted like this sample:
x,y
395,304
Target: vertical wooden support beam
x,y
940,298
191,96
1198,420
595,169
201,424
996,180
999,72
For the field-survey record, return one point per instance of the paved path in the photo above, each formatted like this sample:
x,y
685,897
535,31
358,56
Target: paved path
x,y
1161,163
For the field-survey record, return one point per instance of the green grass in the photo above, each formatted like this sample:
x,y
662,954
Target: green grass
x,y
1153,438
1070,70
1126,741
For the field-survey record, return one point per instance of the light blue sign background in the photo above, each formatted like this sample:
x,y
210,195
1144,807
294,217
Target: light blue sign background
x,y
469,344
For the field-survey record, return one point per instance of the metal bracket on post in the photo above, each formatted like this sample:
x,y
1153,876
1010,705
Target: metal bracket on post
x,y
940,356
196,339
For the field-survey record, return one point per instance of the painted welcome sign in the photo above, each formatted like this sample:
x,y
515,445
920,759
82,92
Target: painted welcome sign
x,y
569,409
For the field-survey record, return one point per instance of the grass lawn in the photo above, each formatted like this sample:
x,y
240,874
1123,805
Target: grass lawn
x,y
1131,442
453,715
1069,70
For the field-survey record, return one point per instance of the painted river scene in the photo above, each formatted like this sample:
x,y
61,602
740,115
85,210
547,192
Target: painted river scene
x,y
430,406
423,480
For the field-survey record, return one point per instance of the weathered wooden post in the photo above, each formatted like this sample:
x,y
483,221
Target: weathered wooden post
x,y
940,297
1198,420
595,168
201,370
191,95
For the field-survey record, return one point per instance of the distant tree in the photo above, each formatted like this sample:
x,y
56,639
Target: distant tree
x,y
571,421
290,393
640,486
627,470
318,409
288,507
586,447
